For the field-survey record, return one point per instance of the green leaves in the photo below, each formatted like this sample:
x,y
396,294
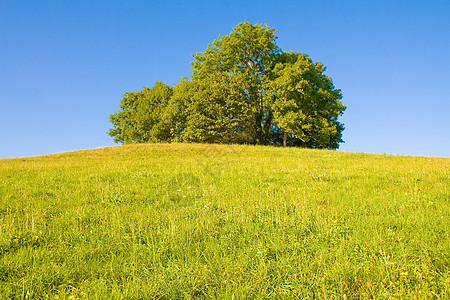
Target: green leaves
x,y
248,50
243,89
139,117
306,104
218,110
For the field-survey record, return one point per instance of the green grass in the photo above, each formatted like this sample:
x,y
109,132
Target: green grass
x,y
224,222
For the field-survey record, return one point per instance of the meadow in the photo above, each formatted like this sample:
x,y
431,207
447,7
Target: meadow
x,y
194,221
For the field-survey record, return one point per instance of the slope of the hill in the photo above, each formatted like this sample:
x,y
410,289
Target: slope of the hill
x,y
208,221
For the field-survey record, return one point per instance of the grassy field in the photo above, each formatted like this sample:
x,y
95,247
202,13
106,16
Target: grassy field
x,y
224,222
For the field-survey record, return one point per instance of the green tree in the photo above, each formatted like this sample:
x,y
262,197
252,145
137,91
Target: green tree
x,y
246,56
218,110
306,104
173,119
243,89
139,115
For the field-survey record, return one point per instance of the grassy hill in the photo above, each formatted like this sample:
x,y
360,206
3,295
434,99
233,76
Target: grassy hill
x,y
207,221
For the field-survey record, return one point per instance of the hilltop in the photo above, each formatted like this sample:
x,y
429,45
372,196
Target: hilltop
x,y
213,221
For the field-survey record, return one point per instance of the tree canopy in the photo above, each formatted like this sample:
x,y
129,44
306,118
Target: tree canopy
x,y
243,89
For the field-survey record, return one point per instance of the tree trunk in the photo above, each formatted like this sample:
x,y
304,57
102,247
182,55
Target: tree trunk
x,y
284,138
266,127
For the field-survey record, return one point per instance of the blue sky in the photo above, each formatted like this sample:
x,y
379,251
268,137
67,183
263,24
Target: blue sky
x,y
64,65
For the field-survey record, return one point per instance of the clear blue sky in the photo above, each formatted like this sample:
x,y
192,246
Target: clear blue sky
x,y
64,65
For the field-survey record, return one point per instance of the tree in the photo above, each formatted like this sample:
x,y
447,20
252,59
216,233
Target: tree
x,y
139,115
174,118
243,89
306,105
246,56
218,110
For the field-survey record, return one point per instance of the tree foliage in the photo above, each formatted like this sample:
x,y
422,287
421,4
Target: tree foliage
x,y
305,104
243,89
139,118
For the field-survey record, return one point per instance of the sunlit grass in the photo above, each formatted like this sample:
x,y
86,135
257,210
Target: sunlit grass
x,y
207,221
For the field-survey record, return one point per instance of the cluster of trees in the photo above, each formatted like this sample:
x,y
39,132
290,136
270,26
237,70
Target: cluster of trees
x,y
243,89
